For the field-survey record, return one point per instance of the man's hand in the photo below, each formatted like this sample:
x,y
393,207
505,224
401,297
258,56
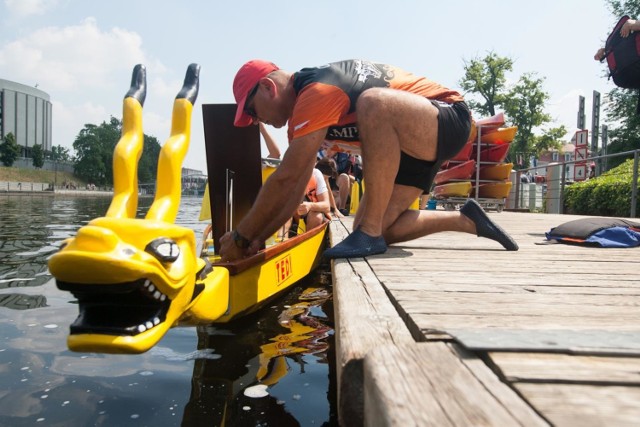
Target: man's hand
x,y
229,251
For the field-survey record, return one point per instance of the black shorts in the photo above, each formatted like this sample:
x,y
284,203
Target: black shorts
x,y
454,127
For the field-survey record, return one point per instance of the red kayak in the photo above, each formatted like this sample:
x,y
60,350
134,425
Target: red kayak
x,y
463,155
493,153
462,171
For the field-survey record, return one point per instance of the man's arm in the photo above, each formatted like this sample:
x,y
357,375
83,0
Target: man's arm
x,y
278,198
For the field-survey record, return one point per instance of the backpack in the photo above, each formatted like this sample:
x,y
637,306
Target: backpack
x,y
623,57
593,231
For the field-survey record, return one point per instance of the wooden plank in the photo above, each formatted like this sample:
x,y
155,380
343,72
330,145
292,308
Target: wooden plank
x,y
584,405
442,322
533,304
365,319
429,385
410,285
553,367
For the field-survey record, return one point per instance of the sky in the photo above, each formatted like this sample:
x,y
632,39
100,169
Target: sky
x,y
82,52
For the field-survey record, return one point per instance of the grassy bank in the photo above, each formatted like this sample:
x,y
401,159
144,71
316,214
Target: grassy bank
x,y
37,175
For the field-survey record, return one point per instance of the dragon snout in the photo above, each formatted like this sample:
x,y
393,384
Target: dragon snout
x,y
96,239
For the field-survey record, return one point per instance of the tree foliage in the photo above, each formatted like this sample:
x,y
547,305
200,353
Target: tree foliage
x,y
60,154
486,78
9,150
37,156
522,102
94,148
624,134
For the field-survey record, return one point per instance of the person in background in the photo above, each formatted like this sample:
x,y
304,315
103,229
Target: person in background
x,y
327,166
627,28
345,165
405,125
314,209
272,147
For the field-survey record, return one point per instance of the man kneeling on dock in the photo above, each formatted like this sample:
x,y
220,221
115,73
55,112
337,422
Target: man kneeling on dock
x,y
406,126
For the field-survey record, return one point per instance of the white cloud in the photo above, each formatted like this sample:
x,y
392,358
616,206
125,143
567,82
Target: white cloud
x,y
71,58
23,8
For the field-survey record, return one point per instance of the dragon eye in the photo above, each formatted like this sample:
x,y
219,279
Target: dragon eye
x,y
166,250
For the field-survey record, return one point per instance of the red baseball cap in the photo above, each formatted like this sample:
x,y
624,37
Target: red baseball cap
x,y
246,78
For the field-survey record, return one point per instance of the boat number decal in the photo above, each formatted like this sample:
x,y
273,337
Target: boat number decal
x,y
283,269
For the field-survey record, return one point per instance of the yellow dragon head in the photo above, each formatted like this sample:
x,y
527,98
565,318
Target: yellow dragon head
x,y
135,278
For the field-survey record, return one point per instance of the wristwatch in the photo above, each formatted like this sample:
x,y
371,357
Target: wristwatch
x,y
240,241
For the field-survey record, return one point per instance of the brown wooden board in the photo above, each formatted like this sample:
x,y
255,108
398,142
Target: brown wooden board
x,y
584,405
553,367
430,384
366,319
235,149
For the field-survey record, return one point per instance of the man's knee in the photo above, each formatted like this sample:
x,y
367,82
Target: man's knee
x,y
371,102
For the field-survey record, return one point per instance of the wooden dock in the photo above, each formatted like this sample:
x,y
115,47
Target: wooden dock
x,y
452,330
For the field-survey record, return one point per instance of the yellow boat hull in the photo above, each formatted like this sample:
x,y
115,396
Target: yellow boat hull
x,y
256,280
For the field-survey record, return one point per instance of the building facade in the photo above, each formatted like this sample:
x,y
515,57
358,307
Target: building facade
x,y
26,113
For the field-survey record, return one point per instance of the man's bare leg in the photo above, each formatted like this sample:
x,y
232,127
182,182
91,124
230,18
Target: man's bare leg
x,y
389,122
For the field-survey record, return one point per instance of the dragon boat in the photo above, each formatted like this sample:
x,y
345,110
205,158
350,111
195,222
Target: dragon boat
x,y
135,278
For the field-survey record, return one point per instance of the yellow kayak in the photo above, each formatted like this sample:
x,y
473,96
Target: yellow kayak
x,y
498,172
495,190
499,136
452,189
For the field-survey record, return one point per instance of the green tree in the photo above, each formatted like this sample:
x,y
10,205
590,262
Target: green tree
x,y
9,150
60,154
523,103
624,134
486,78
148,164
37,156
524,107
94,148
549,140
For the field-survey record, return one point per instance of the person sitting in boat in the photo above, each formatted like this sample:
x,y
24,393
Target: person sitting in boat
x,y
408,125
329,170
315,207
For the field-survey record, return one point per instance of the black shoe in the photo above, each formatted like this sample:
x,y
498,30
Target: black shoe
x,y
357,244
344,212
485,227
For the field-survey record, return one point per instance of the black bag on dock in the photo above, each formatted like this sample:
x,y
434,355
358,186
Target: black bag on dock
x,y
602,232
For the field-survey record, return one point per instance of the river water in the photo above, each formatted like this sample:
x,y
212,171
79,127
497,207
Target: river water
x,y
209,376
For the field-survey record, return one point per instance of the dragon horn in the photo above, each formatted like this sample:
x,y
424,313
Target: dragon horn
x,y
129,149
169,186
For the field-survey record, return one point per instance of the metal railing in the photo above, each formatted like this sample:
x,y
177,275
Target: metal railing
x,y
557,176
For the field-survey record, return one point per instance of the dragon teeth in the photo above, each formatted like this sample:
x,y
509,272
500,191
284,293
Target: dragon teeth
x,y
141,328
156,320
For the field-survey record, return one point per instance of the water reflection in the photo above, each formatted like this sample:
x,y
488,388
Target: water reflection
x,y
192,377
271,353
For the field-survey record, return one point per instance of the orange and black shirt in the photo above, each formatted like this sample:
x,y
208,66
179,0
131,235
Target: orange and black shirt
x,y
326,97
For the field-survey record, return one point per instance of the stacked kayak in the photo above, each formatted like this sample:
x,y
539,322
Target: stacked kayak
x,y
481,163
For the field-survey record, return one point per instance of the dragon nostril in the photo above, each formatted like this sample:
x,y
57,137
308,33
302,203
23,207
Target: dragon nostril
x,y
164,249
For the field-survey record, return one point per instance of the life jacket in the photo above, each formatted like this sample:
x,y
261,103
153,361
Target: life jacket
x,y
310,191
623,58
603,232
